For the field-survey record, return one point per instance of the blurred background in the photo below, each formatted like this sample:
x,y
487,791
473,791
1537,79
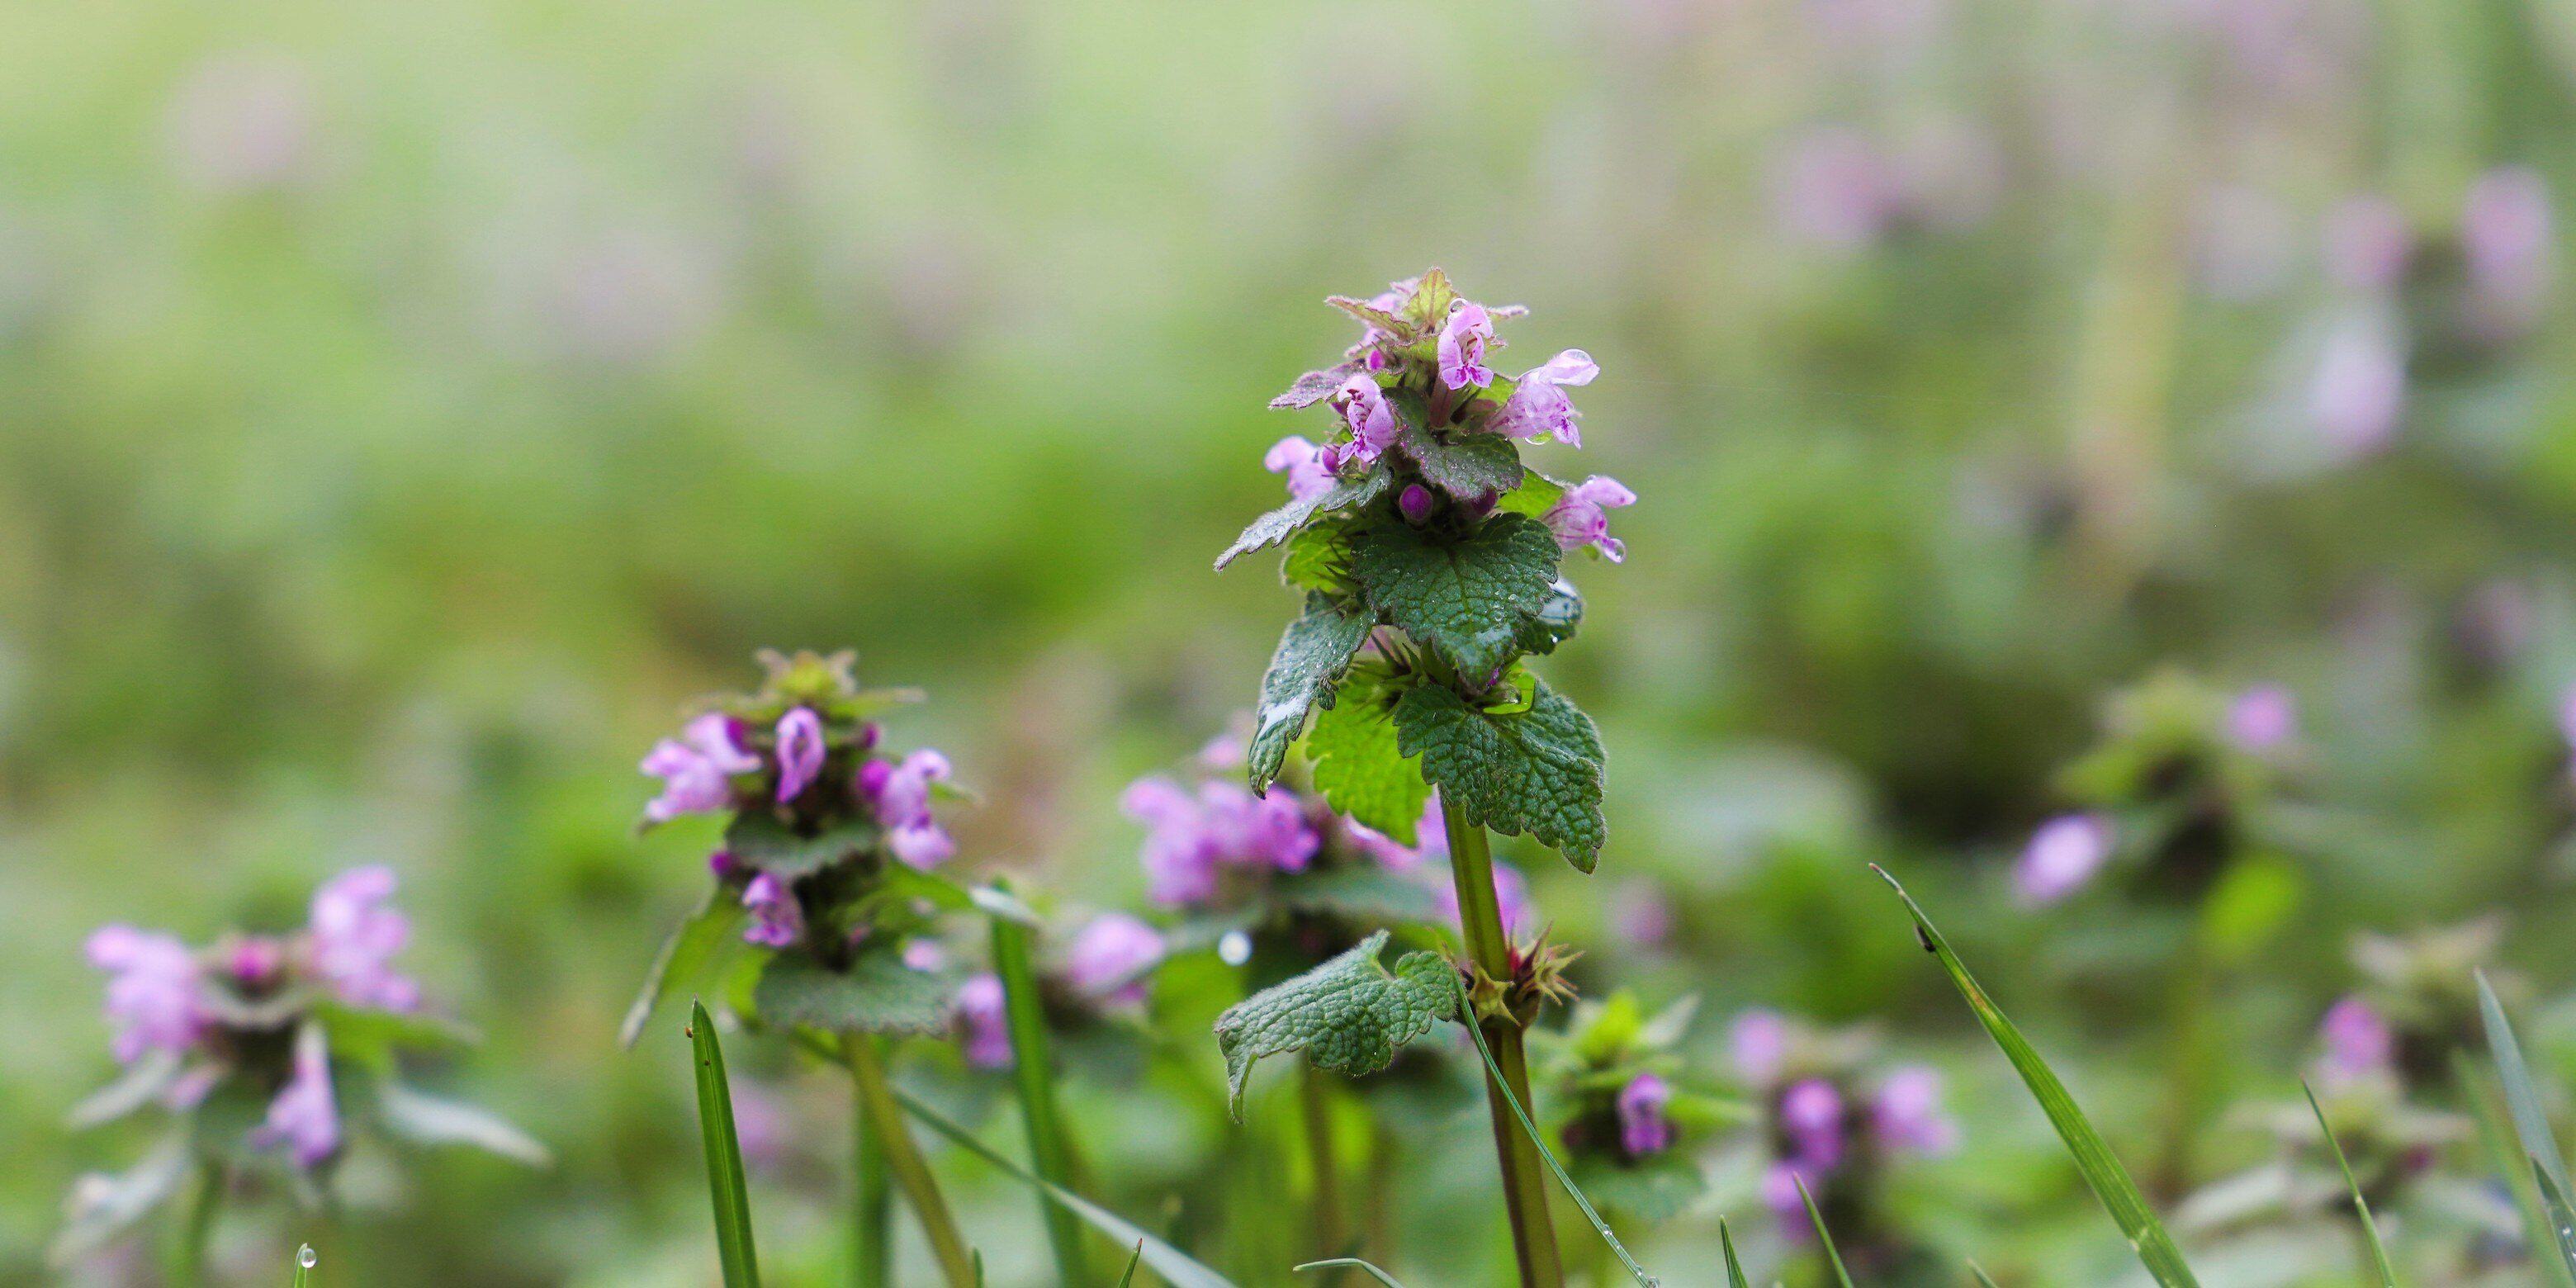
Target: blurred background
x,y
405,409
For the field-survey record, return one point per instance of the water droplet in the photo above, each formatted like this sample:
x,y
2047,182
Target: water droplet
x,y
1235,949
304,1256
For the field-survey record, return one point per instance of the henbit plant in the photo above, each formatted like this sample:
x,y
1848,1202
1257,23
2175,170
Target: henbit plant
x,y
824,872
1429,558
266,1050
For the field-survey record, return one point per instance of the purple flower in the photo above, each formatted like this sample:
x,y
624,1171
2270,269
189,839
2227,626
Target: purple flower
x,y
760,1125
1372,421
2359,390
983,1014
1759,1043
1578,519
924,955
1107,956
1463,337
1639,913
1511,897
1395,856
1415,503
2062,856
2368,242
1835,188
1811,1118
1309,468
1907,1116
2358,1042
777,919
1538,405
2505,236
356,937
800,751
255,961
304,1117
1780,1194
2262,717
696,769
899,796
1643,1129
1191,837
152,999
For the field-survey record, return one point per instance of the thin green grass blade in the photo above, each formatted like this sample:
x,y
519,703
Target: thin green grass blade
x,y
1351,1263
1170,1262
1502,1087
1824,1237
2360,1205
725,1187
2495,1136
2531,1125
1033,1075
1133,1258
1984,1279
2093,1157
1734,1268
304,1260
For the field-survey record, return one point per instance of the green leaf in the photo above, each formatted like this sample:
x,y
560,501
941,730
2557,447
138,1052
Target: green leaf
x,y
141,1084
1313,652
1358,766
1469,467
1314,387
425,1119
104,1206
2093,1157
708,934
1536,773
1536,495
2485,1098
1174,1265
372,1039
1033,1074
877,994
1734,1268
1349,1263
1348,1015
1282,523
1319,558
725,1186
2530,1123
2360,1205
757,839
1469,595
1824,1237
1133,1260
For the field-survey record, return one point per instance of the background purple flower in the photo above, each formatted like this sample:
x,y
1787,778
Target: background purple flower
x,y
2367,244
1191,837
356,936
2359,389
1811,1119
305,1116
1758,1043
2062,856
1309,468
2505,235
2358,1042
800,751
152,999
1907,1117
2262,717
696,769
1643,1129
777,920
1108,955
898,794
982,1017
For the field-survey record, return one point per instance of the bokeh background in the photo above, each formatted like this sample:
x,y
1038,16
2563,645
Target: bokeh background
x,y
405,408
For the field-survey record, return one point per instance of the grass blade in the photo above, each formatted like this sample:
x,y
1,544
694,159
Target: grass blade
x,y
2486,1107
1351,1263
1170,1262
1033,1075
1502,1087
725,1187
1824,1237
1983,1279
1734,1268
2360,1205
2531,1124
304,1260
1132,1259
2093,1157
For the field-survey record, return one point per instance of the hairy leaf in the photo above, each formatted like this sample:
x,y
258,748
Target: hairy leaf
x,y
1348,1015
1536,495
1319,558
757,839
708,934
1536,773
433,1120
104,1206
1313,652
1315,386
1359,768
1282,523
141,1084
1469,595
1467,466
877,994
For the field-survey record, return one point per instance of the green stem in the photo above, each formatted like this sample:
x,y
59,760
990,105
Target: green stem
x,y
903,1159
1313,1098
196,1230
1480,917
1050,1153
871,1208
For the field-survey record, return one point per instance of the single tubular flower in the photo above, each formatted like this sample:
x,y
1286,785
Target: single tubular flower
x,y
1578,518
901,793
1110,954
1643,1129
1463,338
355,935
983,1020
1907,1113
800,751
305,1118
2359,1044
1310,469
2062,857
1538,406
1372,422
152,997
2262,717
777,919
697,769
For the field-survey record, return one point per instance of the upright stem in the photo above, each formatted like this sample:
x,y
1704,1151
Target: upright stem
x,y
1033,1072
903,1159
1312,1096
871,1208
1480,916
188,1244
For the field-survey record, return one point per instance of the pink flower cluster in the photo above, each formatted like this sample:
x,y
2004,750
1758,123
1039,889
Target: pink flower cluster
x,y
1193,838
1821,1125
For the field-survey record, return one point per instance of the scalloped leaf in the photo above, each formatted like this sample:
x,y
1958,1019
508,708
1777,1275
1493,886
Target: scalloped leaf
x,y
757,839
1314,387
1313,653
693,947
1534,773
1348,1015
1467,466
1359,767
1470,595
877,994
1284,522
